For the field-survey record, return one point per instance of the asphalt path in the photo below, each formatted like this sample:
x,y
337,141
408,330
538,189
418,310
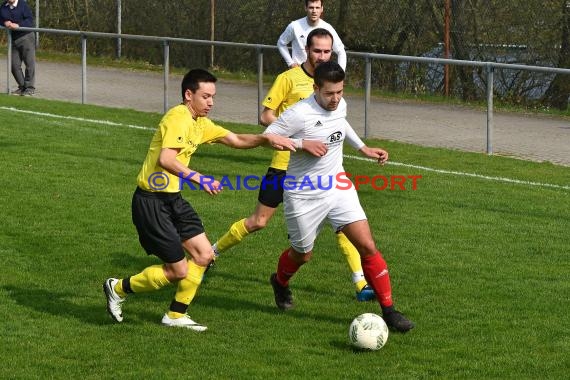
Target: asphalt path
x,y
532,137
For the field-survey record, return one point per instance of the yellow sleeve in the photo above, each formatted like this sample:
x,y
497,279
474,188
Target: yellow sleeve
x,y
278,92
212,132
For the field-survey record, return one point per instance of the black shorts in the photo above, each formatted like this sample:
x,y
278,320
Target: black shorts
x,y
271,188
163,222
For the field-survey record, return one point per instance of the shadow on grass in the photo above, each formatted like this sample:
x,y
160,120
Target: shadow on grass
x,y
232,303
60,304
343,345
127,263
236,301
79,306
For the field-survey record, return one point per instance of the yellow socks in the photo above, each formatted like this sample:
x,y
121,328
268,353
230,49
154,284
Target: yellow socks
x,y
119,289
360,284
235,235
187,289
353,259
151,278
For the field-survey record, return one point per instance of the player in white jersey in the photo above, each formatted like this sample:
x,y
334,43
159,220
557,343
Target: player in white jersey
x,y
311,196
309,122
297,31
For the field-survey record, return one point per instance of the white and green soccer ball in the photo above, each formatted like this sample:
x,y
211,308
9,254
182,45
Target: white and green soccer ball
x,y
368,331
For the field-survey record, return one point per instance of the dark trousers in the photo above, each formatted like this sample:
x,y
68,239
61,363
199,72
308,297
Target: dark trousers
x,y
24,50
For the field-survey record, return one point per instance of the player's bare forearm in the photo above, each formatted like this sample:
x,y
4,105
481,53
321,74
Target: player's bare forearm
x,y
243,141
207,183
279,142
378,154
314,147
267,117
167,160
247,141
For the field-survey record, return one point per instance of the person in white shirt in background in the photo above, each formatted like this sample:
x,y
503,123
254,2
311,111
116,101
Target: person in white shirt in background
x,y
297,31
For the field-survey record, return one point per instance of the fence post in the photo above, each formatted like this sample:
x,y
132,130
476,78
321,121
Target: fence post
x,y
367,87
37,23
490,70
166,66
8,60
259,81
119,22
212,30
447,45
83,69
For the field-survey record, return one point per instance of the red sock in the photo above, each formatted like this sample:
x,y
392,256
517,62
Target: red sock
x,y
286,268
376,273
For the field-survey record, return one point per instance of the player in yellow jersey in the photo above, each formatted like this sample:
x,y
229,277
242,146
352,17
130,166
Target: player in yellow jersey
x,y
167,225
289,87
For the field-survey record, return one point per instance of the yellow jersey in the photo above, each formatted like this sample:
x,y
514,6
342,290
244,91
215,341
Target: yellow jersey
x,y
289,87
177,130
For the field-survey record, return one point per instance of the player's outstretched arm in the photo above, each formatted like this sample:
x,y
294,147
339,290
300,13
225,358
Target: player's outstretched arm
x,y
378,154
280,142
167,160
267,117
314,147
247,141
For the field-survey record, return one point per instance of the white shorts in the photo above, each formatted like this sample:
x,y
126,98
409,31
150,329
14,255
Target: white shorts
x,y
306,216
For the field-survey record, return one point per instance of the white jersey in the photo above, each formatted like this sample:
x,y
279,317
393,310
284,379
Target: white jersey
x,y
296,34
307,175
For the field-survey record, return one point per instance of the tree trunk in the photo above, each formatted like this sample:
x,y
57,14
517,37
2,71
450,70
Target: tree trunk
x,y
461,39
559,90
343,15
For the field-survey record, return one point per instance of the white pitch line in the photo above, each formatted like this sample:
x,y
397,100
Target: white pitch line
x,y
104,122
424,168
464,174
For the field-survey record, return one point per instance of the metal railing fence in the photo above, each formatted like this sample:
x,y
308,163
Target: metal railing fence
x,y
489,67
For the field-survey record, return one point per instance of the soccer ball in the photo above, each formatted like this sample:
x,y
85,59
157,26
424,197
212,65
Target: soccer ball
x,y
368,331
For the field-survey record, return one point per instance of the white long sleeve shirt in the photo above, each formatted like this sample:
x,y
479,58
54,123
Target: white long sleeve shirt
x,y
296,34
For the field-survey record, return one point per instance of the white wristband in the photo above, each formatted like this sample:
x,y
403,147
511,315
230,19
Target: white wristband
x,y
298,143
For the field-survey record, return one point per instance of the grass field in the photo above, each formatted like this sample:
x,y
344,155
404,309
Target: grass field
x,y
479,263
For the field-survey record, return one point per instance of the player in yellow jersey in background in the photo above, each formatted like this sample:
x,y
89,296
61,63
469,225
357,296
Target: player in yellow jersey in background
x,y
167,225
289,87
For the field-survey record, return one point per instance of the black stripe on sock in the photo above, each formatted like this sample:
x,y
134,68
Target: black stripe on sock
x,y
127,285
178,307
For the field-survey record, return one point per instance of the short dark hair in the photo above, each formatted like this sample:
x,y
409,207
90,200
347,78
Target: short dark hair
x,y
320,32
328,72
313,1
194,77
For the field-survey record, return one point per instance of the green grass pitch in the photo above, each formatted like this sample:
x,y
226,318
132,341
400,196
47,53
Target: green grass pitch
x,y
480,265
